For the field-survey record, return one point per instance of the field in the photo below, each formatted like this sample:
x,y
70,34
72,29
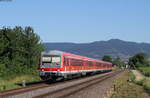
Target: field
x,y
6,84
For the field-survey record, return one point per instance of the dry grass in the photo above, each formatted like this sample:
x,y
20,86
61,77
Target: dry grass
x,y
125,88
144,81
146,84
115,68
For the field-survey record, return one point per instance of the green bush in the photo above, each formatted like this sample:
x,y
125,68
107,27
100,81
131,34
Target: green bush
x,y
131,75
147,88
3,70
20,50
144,82
145,70
140,82
146,85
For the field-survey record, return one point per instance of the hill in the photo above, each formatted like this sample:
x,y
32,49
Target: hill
x,y
97,49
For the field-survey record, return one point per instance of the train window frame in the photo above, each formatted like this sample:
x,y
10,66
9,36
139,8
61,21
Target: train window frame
x,y
76,62
51,59
66,61
90,63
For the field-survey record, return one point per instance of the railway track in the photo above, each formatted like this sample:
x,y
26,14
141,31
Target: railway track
x,y
57,89
21,90
28,88
70,90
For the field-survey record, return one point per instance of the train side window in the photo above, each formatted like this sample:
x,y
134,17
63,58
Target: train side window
x,y
90,63
99,64
76,62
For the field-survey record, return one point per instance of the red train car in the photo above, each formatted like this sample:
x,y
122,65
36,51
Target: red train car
x,y
57,64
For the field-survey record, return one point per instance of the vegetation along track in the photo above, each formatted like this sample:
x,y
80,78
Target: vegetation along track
x,y
60,89
27,88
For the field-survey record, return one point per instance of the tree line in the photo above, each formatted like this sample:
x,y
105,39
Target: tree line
x,y
117,61
134,62
20,49
139,60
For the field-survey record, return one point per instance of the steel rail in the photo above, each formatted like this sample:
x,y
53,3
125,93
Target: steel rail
x,y
64,92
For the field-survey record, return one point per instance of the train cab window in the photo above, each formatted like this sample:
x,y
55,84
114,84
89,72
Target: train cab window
x,y
51,61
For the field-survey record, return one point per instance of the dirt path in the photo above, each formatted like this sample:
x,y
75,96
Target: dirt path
x,y
138,75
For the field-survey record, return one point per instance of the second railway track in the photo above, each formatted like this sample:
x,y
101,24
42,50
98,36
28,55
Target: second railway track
x,y
58,90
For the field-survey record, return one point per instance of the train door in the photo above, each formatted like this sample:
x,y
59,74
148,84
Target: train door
x,y
70,66
66,64
66,67
69,71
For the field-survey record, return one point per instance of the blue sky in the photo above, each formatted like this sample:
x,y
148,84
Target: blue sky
x,y
80,21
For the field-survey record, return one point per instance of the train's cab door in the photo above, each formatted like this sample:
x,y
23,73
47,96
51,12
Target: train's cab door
x,y
69,65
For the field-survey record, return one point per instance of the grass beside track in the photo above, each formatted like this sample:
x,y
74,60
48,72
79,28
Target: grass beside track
x,y
125,88
17,81
145,71
144,81
115,68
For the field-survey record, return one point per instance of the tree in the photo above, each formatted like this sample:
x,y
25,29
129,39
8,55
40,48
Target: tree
x,y
32,46
107,58
20,50
118,62
139,60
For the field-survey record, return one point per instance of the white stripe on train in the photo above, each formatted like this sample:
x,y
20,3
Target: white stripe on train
x,y
73,72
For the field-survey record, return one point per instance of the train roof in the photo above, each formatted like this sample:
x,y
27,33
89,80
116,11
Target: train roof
x,y
52,52
57,52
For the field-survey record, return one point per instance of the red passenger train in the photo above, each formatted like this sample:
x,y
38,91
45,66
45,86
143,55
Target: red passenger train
x,y
57,64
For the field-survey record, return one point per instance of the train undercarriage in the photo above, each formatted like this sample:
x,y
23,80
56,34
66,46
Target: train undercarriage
x,y
46,76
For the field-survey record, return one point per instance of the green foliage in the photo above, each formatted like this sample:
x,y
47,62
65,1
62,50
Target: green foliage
x,y
145,70
6,84
139,60
3,70
127,89
147,87
19,51
118,62
132,76
107,58
140,82
145,82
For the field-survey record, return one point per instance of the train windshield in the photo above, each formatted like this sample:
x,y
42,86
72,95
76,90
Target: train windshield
x,y
51,61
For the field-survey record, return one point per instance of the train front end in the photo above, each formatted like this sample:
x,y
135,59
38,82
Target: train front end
x,y
50,65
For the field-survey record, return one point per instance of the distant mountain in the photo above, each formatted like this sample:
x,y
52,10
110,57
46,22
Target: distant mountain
x,y
113,47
